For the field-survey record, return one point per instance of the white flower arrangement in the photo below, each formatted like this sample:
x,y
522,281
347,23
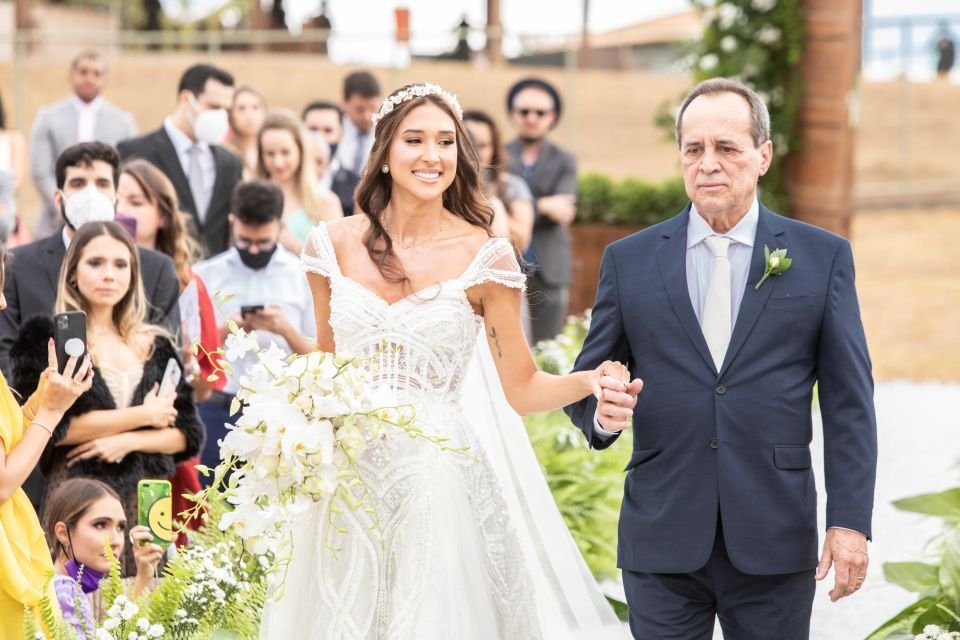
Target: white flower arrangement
x,y
933,632
413,92
303,422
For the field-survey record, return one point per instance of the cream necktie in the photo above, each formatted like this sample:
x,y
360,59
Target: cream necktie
x,y
197,182
716,322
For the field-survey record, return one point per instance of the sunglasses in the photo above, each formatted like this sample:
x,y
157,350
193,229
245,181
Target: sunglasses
x,y
540,113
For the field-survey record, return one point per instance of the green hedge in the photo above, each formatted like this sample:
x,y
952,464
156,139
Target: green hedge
x,y
628,202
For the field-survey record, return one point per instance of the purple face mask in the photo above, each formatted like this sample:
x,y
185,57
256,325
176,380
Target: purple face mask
x,y
89,578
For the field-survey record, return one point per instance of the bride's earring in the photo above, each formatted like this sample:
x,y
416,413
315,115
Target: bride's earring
x,y
385,169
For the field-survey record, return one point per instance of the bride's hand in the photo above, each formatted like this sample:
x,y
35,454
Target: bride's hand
x,y
609,375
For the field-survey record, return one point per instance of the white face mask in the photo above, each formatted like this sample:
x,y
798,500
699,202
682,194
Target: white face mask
x,y
87,205
210,125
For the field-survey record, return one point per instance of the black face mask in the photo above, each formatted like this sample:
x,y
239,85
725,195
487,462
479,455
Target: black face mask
x,y
256,261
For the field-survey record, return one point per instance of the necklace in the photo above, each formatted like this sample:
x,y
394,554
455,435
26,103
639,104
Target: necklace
x,y
443,223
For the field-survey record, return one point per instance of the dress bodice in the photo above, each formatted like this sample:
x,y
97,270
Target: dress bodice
x,y
420,345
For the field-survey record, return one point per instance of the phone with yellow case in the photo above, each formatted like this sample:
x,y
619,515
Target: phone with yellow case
x,y
155,509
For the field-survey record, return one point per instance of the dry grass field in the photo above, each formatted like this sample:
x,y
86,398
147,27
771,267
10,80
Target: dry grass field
x,y
907,133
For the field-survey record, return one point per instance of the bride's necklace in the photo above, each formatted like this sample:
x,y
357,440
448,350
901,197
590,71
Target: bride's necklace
x,y
433,236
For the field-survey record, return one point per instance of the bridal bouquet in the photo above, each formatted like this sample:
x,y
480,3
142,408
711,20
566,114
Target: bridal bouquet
x,y
304,420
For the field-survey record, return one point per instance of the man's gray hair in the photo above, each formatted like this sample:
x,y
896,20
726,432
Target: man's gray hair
x,y
759,116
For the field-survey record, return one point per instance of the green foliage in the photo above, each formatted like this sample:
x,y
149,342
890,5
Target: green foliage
x,y
760,43
587,484
938,585
628,202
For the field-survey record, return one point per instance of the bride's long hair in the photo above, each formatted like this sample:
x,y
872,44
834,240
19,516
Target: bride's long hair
x,y
463,198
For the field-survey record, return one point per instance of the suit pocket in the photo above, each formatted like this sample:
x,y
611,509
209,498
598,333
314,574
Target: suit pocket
x,y
792,457
792,299
640,456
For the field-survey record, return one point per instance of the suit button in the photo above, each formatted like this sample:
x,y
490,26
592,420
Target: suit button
x,y
720,389
713,443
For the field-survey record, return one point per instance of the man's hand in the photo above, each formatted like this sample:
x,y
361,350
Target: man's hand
x,y
847,552
617,396
270,318
561,208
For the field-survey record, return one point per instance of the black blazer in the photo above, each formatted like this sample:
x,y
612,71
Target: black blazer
x,y
31,288
344,185
555,173
158,149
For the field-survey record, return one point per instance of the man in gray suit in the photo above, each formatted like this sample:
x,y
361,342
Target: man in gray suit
x,y
83,117
551,174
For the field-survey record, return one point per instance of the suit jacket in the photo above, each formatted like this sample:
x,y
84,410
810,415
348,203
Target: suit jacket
x,y
55,129
555,173
158,149
31,289
736,440
344,185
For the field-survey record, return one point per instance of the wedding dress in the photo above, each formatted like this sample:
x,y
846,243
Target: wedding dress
x,y
464,546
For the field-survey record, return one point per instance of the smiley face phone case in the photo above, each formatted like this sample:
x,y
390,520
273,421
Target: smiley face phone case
x,y
155,509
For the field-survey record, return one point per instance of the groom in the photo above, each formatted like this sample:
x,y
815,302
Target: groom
x,y
719,514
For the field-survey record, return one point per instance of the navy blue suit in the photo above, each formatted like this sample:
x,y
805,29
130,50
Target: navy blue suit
x,y
736,441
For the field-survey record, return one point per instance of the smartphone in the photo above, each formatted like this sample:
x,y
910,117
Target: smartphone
x,y
171,378
250,308
70,338
155,509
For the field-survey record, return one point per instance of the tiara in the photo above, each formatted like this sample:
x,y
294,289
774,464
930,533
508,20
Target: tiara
x,y
416,91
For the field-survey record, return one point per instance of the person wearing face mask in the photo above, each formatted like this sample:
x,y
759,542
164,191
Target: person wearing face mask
x,y
325,120
86,178
83,512
265,292
188,149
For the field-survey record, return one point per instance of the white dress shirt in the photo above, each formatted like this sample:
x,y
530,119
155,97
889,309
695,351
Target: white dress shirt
x,y
182,144
281,282
700,265
87,113
347,149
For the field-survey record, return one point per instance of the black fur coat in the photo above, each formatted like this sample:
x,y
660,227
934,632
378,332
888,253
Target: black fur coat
x,y
29,358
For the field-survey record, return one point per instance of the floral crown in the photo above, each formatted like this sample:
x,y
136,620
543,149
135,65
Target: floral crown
x,y
416,91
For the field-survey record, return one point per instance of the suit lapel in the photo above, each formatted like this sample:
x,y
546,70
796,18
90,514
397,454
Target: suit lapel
x,y
219,180
672,256
544,168
174,171
769,233
55,252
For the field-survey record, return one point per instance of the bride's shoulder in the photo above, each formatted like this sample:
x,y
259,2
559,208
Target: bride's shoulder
x,y
346,232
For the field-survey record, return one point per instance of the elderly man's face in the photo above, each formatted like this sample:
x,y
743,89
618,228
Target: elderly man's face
x,y
721,165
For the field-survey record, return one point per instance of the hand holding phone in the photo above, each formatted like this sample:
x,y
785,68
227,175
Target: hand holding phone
x,y
249,309
155,509
70,339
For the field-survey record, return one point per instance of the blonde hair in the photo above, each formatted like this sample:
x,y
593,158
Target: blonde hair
x,y
130,314
305,177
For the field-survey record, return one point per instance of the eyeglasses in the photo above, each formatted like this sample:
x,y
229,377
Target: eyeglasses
x,y
540,113
262,245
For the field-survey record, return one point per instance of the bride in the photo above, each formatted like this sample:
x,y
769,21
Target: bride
x,y
461,546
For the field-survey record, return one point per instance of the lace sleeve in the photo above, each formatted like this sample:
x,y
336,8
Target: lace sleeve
x,y
318,255
496,262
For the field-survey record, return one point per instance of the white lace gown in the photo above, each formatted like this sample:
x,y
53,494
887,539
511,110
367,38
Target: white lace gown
x,y
447,560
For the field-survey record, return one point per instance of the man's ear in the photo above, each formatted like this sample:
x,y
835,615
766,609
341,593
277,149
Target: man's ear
x,y
231,219
58,199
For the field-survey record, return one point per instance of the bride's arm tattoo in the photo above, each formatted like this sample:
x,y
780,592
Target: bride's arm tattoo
x,y
496,341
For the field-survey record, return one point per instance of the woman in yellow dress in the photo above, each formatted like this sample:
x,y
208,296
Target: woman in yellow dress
x,y
25,564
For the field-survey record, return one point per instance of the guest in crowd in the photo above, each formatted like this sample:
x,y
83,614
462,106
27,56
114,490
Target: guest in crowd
x,y
13,170
83,117
551,173
188,149
149,197
268,294
286,159
24,434
247,112
325,119
121,430
86,177
83,513
511,190
361,99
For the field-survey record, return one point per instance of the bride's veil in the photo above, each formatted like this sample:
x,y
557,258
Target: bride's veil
x,y
569,600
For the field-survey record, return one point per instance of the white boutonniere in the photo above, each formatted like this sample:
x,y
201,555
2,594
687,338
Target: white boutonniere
x,y
776,263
